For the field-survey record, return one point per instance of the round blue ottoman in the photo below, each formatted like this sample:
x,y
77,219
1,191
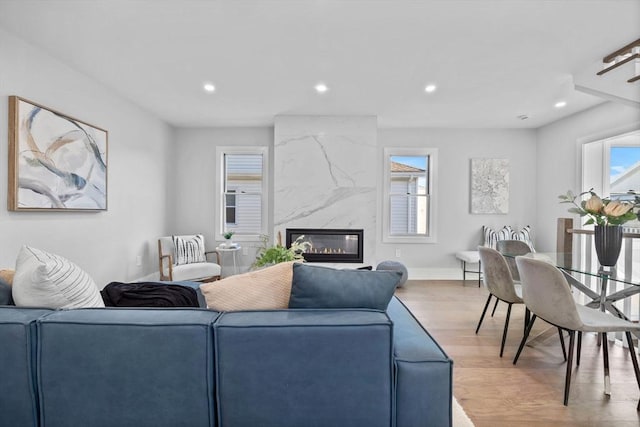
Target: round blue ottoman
x,y
395,266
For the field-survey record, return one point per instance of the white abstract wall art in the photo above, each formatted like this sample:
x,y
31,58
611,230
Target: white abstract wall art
x,y
56,162
489,186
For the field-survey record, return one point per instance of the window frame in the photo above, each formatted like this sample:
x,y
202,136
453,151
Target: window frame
x,y
227,206
432,185
629,139
221,151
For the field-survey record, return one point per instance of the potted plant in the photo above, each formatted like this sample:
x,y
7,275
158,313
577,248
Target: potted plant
x,y
227,236
607,215
270,255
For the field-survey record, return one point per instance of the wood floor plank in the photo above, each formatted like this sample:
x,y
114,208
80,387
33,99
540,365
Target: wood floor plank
x,y
493,391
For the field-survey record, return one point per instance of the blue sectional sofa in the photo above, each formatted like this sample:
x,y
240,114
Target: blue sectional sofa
x,y
196,367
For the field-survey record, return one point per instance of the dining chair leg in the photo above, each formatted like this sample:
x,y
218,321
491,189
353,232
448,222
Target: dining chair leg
x,y
527,318
567,380
564,350
579,348
506,328
524,338
605,357
484,312
634,359
494,307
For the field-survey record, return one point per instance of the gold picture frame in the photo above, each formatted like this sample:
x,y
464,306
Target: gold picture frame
x,y
56,162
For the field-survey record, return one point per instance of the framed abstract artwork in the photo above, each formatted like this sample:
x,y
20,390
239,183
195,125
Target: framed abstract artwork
x,y
489,186
56,162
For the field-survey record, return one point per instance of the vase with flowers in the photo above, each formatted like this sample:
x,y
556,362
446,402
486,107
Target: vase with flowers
x,y
607,216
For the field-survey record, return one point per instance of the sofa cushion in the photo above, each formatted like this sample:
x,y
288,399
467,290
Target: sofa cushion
x,y
126,367
323,287
266,289
304,368
195,271
46,280
189,249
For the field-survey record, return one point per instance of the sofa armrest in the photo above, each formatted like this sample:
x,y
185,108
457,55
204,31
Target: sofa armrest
x,y
292,368
423,372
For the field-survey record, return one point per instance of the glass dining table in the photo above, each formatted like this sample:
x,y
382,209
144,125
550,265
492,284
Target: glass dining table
x,y
607,278
611,286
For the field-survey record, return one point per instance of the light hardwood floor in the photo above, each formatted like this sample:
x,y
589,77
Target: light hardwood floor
x,y
494,392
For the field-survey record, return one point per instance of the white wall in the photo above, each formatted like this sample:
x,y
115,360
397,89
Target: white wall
x,y
105,244
559,160
457,228
193,176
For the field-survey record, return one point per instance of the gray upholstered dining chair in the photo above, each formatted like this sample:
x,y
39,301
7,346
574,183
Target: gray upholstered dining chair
x,y
513,248
547,294
498,281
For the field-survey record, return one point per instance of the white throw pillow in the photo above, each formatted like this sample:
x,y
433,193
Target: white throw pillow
x,y
46,280
189,249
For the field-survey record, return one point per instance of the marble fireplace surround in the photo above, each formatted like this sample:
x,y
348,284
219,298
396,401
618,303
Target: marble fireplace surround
x,y
325,175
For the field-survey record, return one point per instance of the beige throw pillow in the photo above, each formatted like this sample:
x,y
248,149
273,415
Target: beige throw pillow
x,y
266,289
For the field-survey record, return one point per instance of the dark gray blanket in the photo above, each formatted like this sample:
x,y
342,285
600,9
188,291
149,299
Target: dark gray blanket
x,y
148,294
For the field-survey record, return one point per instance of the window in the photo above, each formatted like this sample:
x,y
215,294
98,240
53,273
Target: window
x,y
230,208
612,166
242,191
409,195
624,170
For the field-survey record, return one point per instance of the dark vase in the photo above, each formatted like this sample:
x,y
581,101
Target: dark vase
x,y
608,239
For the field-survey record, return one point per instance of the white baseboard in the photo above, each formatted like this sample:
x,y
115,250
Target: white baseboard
x,y
437,274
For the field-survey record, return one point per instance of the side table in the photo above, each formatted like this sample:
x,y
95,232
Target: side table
x,y
233,251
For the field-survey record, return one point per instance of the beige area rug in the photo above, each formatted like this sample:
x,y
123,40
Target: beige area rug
x,y
460,418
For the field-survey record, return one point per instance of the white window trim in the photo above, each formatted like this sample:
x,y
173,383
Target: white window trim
x,y
219,226
433,200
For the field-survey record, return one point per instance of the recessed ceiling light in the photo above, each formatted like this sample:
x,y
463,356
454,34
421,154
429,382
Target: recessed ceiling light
x,y
321,88
209,87
430,88
560,104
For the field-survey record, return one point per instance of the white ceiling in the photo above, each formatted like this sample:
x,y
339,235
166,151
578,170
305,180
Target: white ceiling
x,y
491,59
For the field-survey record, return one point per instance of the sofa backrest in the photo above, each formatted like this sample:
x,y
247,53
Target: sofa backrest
x,y
126,367
293,368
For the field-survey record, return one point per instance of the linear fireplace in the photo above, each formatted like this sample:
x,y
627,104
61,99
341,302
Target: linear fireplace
x,y
330,244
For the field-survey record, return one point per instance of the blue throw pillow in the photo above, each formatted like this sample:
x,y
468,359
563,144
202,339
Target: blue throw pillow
x,y
5,294
323,287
